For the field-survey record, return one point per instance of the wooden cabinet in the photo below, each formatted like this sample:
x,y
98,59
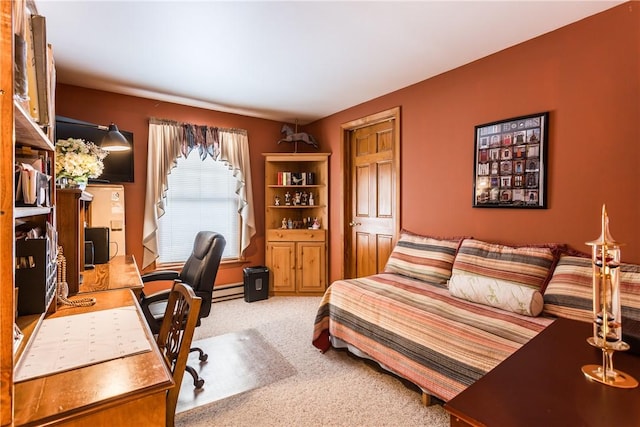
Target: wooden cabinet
x,y
17,129
311,266
297,260
72,207
281,260
296,251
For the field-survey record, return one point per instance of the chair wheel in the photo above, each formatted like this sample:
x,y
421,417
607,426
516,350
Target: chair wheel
x,y
198,383
203,357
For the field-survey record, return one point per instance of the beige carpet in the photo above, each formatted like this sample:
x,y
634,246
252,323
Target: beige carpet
x,y
331,389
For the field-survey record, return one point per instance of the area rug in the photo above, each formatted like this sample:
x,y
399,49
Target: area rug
x,y
238,362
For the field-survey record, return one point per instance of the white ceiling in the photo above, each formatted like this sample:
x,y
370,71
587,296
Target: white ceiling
x,y
285,61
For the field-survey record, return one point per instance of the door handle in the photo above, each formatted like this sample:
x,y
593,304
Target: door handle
x,y
353,223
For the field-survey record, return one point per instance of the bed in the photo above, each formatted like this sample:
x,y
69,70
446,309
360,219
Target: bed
x,y
444,312
418,331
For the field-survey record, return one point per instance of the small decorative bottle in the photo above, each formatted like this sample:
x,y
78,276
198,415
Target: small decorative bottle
x,y
311,200
316,224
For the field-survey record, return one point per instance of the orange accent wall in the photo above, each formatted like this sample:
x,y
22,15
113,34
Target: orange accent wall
x,y
132,114
587,75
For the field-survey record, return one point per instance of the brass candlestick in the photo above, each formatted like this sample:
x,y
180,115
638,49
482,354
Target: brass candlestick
x,y
607,315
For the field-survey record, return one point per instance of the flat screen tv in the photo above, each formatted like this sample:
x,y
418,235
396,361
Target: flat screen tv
x,y
118,165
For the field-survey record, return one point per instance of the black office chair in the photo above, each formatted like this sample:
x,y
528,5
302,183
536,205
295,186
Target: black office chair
x,y
199,272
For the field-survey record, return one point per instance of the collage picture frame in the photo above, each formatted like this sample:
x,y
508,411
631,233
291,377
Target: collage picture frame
x,y
510,163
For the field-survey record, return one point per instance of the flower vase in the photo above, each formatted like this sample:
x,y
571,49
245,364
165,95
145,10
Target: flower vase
x,y
62,182
80,182
73,182
78,160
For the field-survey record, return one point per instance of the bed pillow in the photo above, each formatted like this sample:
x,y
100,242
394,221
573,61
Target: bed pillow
x,y
422,257
529,266
497,293
570,290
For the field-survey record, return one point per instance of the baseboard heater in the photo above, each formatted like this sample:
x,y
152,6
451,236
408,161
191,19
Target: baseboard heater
x,y
227,292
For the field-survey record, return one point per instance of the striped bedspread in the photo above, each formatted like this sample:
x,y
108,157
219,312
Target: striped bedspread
x,y
420,332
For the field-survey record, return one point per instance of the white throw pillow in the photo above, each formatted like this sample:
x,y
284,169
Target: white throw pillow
x,y
497,293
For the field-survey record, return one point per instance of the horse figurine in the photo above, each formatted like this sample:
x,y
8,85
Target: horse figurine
x,y
295,137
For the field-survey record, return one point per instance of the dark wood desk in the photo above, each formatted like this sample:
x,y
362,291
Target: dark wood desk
x,y
128,391
121,272
542,385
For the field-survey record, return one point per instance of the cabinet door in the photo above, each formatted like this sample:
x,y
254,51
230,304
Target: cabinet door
x,y
311,267
281,262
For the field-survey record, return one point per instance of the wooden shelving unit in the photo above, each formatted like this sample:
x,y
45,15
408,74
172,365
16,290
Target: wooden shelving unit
x,y
296,253
17,128
27,130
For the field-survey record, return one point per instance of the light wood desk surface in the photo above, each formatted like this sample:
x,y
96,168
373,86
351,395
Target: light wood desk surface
x,y
121,272
123,392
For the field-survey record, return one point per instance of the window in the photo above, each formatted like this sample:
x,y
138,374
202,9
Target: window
x,y
212,197
201,196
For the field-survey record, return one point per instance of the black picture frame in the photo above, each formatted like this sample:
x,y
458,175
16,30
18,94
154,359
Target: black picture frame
x,y
510,163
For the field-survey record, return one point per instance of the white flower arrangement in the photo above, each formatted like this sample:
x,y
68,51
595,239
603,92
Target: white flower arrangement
x,y
77,158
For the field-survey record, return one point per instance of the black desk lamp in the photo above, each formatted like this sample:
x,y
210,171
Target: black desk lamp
x,y
114,140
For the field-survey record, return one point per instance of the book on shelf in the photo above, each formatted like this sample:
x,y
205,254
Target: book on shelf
x,y
35,162
33,187
51,91
307,178
41,63
32,85
19,11
35,88
296,178
20,47
39,159
21,84
286,178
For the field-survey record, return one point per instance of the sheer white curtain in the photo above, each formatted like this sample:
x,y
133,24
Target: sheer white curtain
x,y
167,140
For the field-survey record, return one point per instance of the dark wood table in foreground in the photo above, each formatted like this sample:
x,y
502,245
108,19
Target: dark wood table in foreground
x,y
542,385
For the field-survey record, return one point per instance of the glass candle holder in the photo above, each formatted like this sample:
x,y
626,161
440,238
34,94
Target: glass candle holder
x,y
607,313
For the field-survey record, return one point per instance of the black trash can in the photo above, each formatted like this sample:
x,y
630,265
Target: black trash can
x,y
256,283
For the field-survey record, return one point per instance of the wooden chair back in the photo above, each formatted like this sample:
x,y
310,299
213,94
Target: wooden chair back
x,y
175,336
